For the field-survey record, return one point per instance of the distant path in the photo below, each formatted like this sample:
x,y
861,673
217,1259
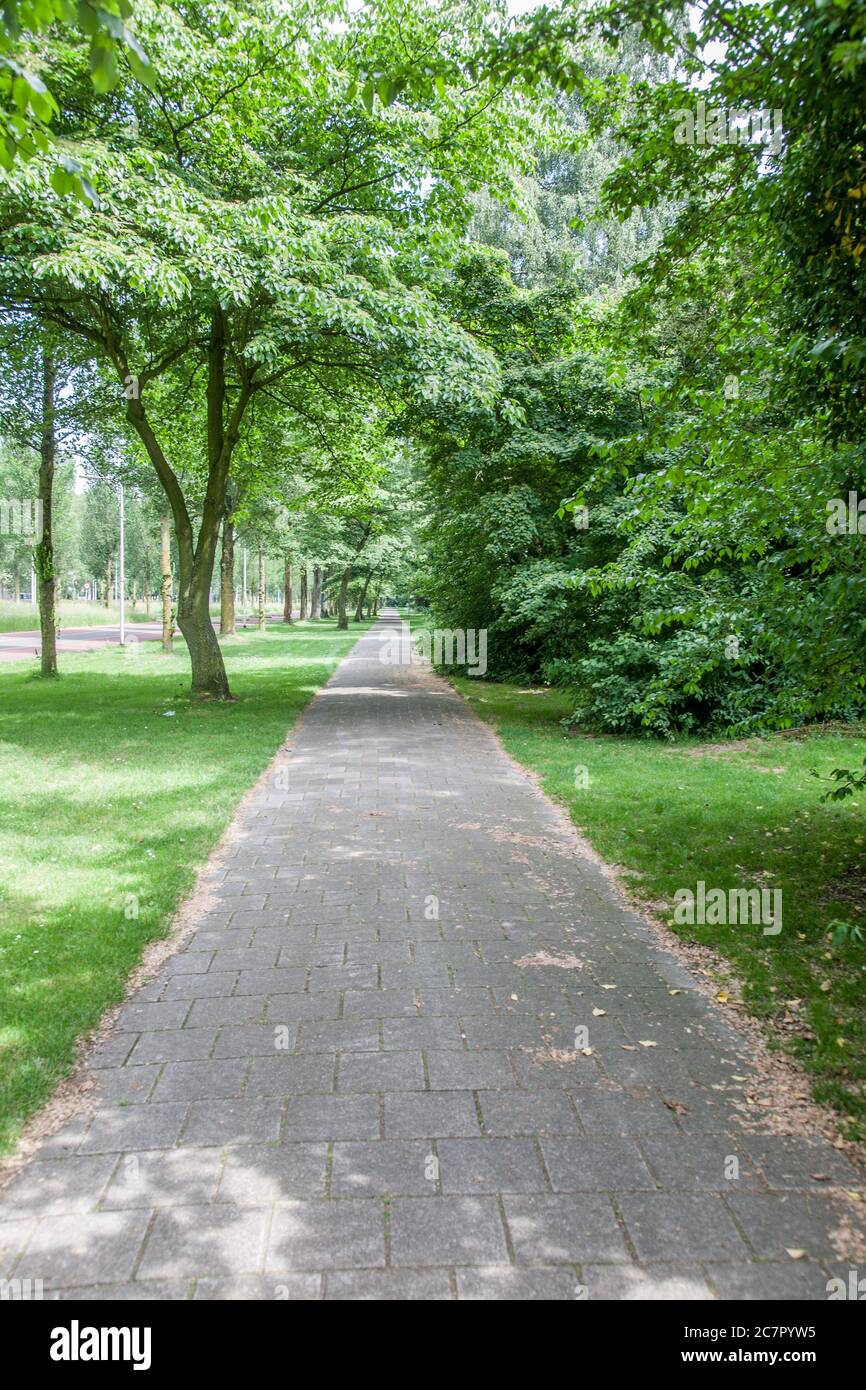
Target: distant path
x,y
16,646
366,1075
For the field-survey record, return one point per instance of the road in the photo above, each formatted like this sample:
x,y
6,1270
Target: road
x,y
21,646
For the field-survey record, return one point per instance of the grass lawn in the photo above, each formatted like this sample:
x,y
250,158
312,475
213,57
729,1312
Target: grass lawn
x,y
105,797
24,617
737,816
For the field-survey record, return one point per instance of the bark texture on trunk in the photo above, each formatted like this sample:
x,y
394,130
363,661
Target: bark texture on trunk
x,y
165,583
196,554
302,602
227,580
288,600
316,599
359,607
342,602
263,617
44,552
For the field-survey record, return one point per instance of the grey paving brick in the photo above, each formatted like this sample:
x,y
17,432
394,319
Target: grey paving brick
x,y
284,1288
248,1008
340,1034
163,1178
271,982
181,1045
676,1226
799,1163
126,1128
777,1222
596,1163
204,1241
404,1034
137,1017
447,1231
62,1248
527,1112
380,1003
511,1283
383,1168
14,1236
143,1291
332,1117
293,1008
689,1162
263,1174
490,1165
562,1229
233,1122
209,986
616,1111
255,1040
459,1071
285,1074
327,1235
391,1286
124,1085
198,1080
793,1281
59,1186
188,963
431,1115
342,977
380,1071
632,1283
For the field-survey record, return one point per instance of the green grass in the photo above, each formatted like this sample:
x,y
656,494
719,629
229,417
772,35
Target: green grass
x,y
106,801
24,617
735,815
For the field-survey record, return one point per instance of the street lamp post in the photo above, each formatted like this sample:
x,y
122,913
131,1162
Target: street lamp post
x,y
121,577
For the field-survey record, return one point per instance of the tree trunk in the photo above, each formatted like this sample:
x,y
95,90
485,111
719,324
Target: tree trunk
x,y
316,600
287,591
227,580
17,584
263,617
44,552
342,600
108,583
196,554
359,609
165,586
302,603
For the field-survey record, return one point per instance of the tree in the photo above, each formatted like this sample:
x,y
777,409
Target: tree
x,y
268,234
27,106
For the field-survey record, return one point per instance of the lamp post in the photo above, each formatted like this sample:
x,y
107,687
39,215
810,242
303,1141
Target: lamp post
x,y
121,575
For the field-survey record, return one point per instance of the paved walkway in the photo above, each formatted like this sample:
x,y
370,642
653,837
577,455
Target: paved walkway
x,y
362,1078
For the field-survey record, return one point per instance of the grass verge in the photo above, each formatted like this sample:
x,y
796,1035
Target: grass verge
x,y
116,788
